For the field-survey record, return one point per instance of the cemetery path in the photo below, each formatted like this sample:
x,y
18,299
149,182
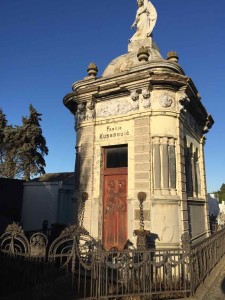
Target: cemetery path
x,y
213,287
217,290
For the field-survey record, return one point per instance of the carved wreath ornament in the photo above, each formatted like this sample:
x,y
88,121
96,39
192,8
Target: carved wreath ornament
x,y
166,101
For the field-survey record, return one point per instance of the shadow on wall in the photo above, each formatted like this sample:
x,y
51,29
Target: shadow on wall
x,y
11,197
223,284
151,240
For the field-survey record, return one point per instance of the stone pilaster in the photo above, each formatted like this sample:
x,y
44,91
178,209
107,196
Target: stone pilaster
x,y
157,165
165,166
172,166
86,145
142,167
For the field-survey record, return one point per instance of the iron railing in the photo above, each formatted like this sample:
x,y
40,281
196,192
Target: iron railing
x,y
204,256
100,274
117,275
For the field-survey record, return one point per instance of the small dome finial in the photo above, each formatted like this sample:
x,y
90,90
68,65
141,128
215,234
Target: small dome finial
x,y
92,70
143,54
172,56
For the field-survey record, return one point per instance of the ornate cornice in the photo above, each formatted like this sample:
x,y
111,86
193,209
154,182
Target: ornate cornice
x,y
139,81
70,102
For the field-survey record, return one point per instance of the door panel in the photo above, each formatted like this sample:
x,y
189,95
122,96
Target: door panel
x,y
115,210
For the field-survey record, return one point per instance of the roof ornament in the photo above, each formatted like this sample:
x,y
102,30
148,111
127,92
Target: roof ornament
x,y
143,54
92,70
145,20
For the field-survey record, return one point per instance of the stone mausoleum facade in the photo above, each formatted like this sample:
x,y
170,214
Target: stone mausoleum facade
x,y
140,127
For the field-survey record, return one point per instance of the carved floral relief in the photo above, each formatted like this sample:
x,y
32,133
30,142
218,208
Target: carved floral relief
x,y
115,107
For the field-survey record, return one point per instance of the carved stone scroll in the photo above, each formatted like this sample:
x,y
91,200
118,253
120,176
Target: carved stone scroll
x,y
134,95
80,112
183,101
90,112
146,93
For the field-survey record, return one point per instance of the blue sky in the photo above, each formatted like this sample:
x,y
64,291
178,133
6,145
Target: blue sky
x,y
46,45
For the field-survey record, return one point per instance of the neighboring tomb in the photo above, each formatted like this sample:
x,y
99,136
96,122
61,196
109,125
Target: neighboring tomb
x,y
140,127
48,199
213,204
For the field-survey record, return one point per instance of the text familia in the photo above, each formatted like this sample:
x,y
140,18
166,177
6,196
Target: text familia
x,y
113,132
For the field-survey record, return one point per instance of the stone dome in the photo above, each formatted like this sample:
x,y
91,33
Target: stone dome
x,y
129,60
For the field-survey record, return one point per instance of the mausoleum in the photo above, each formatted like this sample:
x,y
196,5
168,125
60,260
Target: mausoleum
x,y
140,127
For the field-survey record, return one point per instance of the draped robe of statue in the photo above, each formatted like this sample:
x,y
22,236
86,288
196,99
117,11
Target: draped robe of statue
x,y
145,21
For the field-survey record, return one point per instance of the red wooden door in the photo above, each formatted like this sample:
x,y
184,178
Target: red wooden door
x,y
115,209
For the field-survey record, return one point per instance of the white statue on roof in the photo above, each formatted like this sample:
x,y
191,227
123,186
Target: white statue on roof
x,y
145,20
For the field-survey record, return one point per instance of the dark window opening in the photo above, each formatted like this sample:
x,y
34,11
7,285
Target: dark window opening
x,y
116,157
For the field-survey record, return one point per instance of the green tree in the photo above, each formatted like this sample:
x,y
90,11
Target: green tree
x,y
221,193
32,146
22,148
11,144
3,124
6,137
222,188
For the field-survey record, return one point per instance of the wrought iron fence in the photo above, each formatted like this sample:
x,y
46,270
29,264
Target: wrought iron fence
x,y
100,274
148,274
25,279
204,256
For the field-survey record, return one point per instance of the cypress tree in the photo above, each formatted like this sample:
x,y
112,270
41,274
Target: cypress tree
x,y
3,124
11,144
221,193
32,146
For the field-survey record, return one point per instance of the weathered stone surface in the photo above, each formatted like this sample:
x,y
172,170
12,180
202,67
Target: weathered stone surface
x,y
141,139
116,107
146,215
142,148
141,121
142,157
141,130
142,167
142,185
142,176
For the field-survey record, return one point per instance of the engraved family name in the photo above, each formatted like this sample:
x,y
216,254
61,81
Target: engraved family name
x,y
113,132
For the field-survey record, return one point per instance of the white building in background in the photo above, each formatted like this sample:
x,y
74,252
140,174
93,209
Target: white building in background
x,y
222,207
214,206
221,217
49,197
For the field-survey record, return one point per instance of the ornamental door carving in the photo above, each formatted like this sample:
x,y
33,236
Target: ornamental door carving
x,y
115,201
